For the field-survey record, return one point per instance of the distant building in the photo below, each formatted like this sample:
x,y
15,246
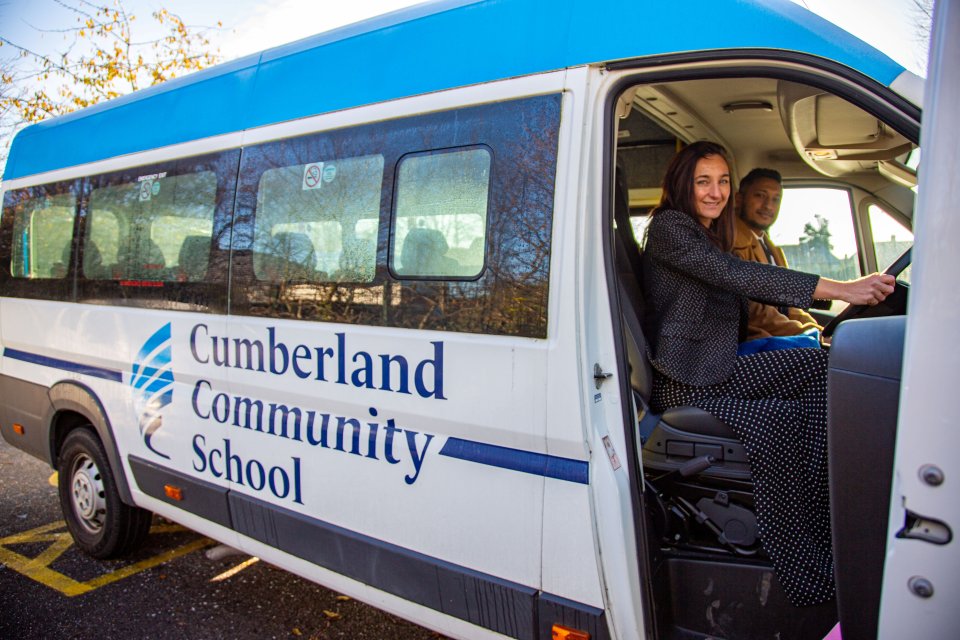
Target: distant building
x,y
815,258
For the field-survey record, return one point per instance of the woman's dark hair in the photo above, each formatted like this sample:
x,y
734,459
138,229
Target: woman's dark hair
x,y
678,191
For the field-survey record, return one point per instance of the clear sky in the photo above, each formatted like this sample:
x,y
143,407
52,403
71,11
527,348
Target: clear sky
x,y
892,26
253,25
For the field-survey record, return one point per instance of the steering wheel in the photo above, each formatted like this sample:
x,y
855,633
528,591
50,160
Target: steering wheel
x,y
894,305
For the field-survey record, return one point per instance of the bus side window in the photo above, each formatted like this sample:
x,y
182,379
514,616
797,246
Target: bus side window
x,y
42,234
404,223
440,223
100,246
317,221
137,226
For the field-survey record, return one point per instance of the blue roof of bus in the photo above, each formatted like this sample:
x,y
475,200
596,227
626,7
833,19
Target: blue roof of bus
x,y
429,47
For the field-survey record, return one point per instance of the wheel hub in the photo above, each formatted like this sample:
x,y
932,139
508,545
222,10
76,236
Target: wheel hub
x,y
87,494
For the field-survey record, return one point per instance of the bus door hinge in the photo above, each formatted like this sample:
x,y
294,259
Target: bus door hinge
x,y
599,375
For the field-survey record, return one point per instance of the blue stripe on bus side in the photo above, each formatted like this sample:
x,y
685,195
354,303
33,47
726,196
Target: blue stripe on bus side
x,y
65,365
518,460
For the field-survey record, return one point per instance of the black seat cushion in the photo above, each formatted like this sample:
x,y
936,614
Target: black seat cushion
x,y
697,421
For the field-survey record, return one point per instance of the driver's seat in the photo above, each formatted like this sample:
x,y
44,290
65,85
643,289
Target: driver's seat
x,y
695,469
672,439
681,433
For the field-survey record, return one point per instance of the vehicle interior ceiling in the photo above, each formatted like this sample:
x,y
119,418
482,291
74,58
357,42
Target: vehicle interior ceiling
x,y
698,488
805,133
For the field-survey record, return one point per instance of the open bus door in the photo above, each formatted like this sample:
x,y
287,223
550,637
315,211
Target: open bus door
x,y
921,581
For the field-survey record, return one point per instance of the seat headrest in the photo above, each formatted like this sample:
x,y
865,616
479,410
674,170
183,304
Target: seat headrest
x,y
422,250
194,257
295,247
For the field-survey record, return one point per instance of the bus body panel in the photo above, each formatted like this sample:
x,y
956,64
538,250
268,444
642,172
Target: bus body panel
x,y
301,429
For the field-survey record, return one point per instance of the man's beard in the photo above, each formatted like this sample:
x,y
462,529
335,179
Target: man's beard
x,y
755,225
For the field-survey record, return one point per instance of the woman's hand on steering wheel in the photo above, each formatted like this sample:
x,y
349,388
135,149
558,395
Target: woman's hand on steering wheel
x,y
868,290
857,309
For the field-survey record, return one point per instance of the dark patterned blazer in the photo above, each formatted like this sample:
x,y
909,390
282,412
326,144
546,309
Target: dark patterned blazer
x,y
696,299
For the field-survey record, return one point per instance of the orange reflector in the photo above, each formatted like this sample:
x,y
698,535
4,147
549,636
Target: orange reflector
x,y
174,493
561,632
18,429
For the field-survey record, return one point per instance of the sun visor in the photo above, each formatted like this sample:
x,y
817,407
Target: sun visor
x,y
834,136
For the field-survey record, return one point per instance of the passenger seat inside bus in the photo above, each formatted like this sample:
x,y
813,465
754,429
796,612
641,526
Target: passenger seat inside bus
x,y
293,257
93,267
142,259
425,253
193,259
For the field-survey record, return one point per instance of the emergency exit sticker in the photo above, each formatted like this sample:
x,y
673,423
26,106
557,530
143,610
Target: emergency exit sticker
x,y
312,176
150,185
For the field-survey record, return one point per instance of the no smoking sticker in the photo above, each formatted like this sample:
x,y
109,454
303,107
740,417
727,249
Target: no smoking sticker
x,y
312,175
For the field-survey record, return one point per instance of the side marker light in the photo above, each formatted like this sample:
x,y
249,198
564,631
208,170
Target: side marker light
x,y
18,429
560,632
174,493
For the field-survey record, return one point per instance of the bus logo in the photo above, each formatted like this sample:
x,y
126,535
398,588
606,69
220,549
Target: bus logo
x,y
151,379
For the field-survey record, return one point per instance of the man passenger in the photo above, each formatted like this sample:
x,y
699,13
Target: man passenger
x,y
758,204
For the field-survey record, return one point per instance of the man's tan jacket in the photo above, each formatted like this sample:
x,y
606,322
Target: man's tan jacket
x,y
765,320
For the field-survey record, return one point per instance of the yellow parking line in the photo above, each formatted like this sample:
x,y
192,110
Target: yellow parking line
x,y
54,551
38,568
34,535
42,574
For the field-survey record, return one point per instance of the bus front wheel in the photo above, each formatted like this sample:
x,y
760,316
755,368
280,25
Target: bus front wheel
x,y
100,523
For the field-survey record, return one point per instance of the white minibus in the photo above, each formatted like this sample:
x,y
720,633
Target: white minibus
x,y
363,306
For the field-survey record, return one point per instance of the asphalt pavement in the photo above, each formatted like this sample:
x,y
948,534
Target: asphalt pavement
x,y
169,589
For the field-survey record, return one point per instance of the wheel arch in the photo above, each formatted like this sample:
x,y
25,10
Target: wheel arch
x,y
73,405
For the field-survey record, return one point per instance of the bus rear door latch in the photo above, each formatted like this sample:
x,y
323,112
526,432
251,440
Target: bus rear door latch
x,y
599,375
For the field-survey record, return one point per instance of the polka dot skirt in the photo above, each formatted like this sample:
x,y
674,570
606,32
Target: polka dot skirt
x,y
776,403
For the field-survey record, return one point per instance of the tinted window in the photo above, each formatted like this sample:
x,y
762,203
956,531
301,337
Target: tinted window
x,y
158,236
467,194
36,241
42,235
318,221
156,227
440,220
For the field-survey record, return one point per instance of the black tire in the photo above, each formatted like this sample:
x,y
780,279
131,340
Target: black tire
x,y
100,523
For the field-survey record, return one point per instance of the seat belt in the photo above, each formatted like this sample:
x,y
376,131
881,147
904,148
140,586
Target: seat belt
x,y
648,422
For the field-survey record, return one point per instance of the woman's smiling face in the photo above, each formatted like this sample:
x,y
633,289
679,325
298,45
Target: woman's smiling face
x,y
711,188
